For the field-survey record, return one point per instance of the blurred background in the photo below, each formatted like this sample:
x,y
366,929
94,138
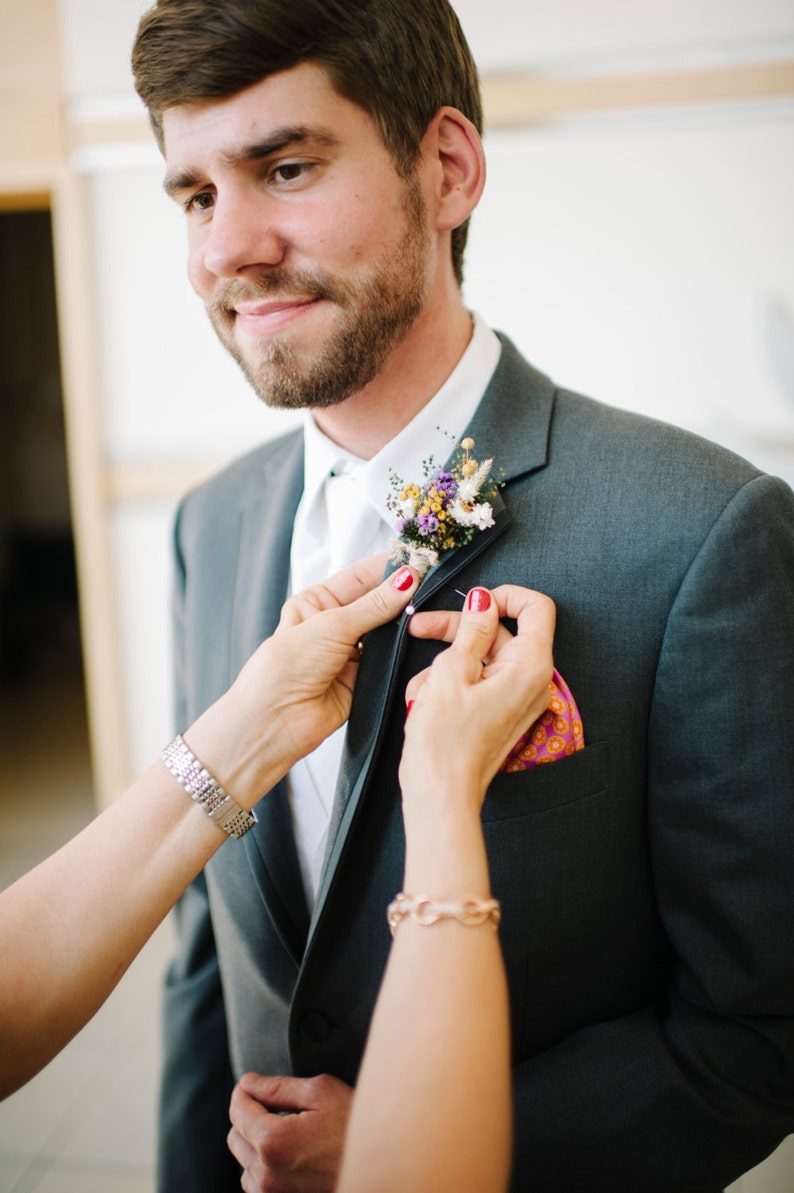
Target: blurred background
x,y
635,241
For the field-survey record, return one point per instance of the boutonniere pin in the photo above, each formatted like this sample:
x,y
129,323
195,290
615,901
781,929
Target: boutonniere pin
x,y
443,512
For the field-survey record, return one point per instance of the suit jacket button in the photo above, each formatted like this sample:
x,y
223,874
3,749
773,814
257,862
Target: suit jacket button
x,y
314,1027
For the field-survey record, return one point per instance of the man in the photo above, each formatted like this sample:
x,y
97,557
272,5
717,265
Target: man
x,y
327,157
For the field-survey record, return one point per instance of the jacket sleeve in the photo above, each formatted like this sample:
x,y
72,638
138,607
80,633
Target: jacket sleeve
x,y
690,1094
196,1080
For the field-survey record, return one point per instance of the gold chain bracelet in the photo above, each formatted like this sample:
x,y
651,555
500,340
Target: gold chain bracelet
x,y
470,912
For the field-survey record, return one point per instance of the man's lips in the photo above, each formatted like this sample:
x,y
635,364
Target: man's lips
x,y
262,316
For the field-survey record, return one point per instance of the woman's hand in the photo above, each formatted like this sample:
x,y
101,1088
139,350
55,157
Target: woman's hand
x,y
298,686
469,708
315,651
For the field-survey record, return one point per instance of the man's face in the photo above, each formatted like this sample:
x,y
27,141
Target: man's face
x,y
308,249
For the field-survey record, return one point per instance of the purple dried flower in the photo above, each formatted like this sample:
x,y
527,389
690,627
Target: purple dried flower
x,y
445,482
427,524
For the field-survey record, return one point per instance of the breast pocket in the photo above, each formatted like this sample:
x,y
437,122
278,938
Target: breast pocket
x,y
543,788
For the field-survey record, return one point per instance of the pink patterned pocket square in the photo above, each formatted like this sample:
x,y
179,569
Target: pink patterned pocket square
x,y
555,735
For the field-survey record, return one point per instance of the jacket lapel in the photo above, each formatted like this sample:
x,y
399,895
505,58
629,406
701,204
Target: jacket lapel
x,y
263,559
513,420
518,397
261,589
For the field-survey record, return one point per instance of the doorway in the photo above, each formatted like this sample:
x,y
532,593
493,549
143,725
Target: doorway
x,y
46,791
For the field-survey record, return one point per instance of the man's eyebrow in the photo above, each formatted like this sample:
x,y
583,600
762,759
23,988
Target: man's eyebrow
x,y
276,141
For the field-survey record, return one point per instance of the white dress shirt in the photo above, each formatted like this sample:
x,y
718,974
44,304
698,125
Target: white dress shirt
x,y
342,517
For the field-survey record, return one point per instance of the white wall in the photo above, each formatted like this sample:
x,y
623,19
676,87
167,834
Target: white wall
x,y
649,260
567,34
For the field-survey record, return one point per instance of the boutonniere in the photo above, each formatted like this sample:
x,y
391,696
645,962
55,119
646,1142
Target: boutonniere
x,y
444,512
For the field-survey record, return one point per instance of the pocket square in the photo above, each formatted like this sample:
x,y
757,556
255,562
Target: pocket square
x,y
555,735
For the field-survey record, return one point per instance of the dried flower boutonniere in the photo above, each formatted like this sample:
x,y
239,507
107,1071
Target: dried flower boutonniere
x,y
442,513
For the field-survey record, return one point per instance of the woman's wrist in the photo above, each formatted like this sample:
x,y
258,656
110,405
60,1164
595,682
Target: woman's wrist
x,y
445,852
246,765
438,806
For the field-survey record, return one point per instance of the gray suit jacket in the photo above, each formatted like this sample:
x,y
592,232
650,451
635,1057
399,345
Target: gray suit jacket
x,y
646,881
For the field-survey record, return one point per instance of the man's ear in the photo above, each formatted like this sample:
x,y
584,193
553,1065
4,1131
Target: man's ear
x,y
453,147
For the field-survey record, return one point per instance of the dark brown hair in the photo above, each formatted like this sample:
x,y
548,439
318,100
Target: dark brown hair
x,y
399,60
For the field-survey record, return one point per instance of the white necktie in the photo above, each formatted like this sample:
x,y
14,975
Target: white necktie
x,y
352,520
342,526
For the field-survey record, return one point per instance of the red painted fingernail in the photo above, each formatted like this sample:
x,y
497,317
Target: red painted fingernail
x,y
478,600
408,707
402,580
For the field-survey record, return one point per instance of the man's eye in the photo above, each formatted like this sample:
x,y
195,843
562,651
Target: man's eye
x,y
201,202
289,171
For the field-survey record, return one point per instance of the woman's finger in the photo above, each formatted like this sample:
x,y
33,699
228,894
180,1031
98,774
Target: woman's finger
x,y
442,626
342,588
374,608
476,632
531,610
414,687
316,649
515,602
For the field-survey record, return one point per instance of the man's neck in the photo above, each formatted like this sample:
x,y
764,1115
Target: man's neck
x,y
413,373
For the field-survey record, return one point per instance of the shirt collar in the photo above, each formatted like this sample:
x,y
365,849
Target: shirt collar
x,y
434,431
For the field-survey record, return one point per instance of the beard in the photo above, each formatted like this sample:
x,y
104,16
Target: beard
x,y
377,310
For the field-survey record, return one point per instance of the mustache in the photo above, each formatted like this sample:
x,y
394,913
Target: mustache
x,y
280,284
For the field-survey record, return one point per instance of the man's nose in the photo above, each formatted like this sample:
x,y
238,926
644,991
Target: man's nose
x,y
241,236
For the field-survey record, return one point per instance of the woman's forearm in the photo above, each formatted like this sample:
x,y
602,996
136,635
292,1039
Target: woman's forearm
x,y
71,927
442,1017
